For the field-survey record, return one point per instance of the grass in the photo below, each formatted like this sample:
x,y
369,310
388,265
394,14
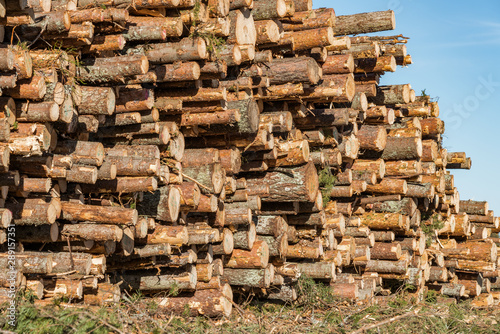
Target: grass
x,y
326,182
316,311
431,224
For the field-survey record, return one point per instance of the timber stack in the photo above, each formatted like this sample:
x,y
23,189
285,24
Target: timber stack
x,y
210,148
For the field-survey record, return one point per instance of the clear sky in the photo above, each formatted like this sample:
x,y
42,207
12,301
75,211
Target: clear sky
x,y
455,48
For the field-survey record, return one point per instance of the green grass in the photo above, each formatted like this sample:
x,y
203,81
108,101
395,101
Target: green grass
x,y
326,182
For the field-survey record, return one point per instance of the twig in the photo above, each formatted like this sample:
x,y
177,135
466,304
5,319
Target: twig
x,y
384,322
236,306
90,315
191,179
198,183
40,34
437,239
62,274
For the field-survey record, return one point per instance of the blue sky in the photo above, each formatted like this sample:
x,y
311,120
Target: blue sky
x,y
455,47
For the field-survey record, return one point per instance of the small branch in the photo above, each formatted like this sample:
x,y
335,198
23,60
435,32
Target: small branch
x,y
198,183
101,320
62,274
384,322
236,306
190,178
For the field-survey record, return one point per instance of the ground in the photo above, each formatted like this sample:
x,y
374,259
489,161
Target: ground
x,y
316,311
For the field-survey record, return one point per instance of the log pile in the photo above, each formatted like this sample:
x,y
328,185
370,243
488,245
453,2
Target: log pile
x,y
202,149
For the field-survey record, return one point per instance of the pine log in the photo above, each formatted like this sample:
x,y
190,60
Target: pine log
x,y
310,38
474,207
173,235
183,279
302,182
163,203
249,277
365,23
372,138
205,302
301,69
116,215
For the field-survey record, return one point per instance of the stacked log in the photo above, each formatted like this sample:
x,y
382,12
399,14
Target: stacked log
x,y
202,149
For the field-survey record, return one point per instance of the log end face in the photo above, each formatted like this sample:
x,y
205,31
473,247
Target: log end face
x,y
227,294
174,202
350,88
53,112
392,18
110,102
311,179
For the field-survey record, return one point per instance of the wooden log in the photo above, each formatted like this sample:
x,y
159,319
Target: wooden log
x,y
33,88
402,148
37,112
187,49
23,63
372,138
365,23
432,126
474,207
267,31
210,176
97,101
376,65
318,18
385,221
314,219
303,180
300,69
395,94
249,277
64,262
479,251
238,213
164,203
110,69
242,31
206,302
311,38
173,235
270,225
264,11
305,249
386,251
257,257
96,232
81,212
32,213
63,288
319,270
183,279
389,186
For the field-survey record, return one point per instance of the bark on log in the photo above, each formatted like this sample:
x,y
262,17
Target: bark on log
x,y
365,23
301,182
